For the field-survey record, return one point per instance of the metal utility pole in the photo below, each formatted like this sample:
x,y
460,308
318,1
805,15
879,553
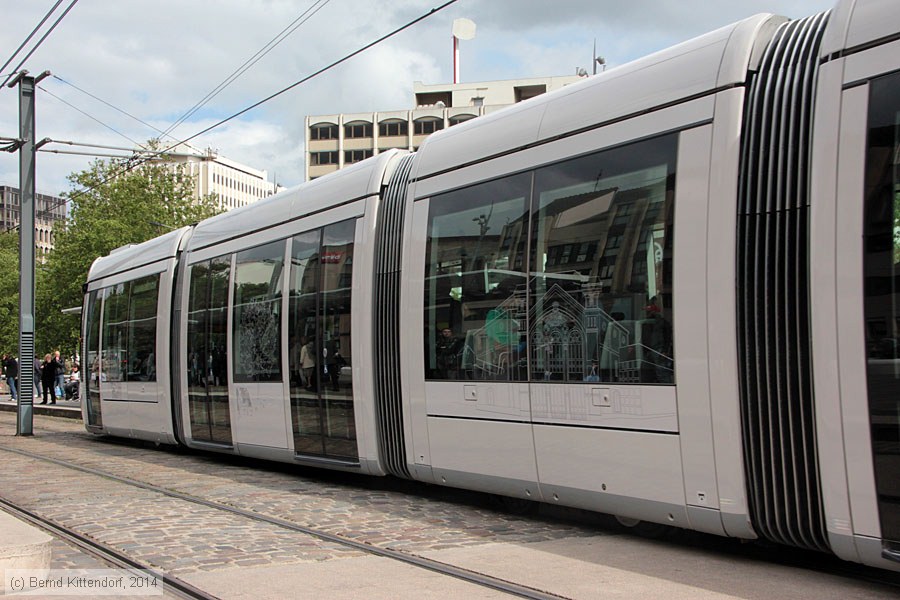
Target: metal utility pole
x,y
25,419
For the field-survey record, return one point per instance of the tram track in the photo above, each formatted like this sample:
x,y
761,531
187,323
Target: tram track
x,y
106,553
182,587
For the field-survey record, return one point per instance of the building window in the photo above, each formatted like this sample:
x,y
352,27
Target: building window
x,y
393,128
352,156
358,129
457,119
323,158
323,131
427,126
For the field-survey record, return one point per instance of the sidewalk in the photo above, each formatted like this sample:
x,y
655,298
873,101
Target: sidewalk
x,y
63,408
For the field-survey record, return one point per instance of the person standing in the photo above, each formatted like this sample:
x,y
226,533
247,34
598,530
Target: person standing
x,y
11,366
60,370
37,377
48,378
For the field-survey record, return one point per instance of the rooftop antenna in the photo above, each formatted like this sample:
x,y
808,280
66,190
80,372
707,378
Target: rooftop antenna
x,y
463,29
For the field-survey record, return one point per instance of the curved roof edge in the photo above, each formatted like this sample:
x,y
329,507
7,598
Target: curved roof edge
x,y
136,255
856,23
356,181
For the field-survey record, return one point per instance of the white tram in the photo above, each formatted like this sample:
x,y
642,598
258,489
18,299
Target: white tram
x,y
670,292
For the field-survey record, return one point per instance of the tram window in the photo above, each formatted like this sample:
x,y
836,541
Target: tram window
x,y
881,263
604,316
475,305
256,340
115,310
141,329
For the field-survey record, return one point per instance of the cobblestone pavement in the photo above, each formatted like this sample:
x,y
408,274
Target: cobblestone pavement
x,y
182,537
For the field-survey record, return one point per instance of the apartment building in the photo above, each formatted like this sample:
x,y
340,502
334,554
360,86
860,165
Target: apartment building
x,y
334,141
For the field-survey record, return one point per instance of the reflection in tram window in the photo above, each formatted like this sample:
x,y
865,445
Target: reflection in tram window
x,y
598,302
475,307
882,295
92,358
129,331
256,338
321,378
601,294
207,357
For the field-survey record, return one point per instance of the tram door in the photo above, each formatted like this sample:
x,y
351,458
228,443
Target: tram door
x,y
319,338
207,353
91,360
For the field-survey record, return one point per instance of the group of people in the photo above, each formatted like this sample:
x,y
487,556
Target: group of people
x,y
49,376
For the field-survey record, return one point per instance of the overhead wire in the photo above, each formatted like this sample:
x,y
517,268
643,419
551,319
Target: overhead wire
x,y
93,118
40,41
268,47
112,106
30,35
149,156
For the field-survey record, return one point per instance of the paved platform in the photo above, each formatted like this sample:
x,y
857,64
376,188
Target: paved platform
x,y
22,546
70,409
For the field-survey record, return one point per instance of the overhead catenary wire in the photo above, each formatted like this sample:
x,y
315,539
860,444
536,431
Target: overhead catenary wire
x,y
112,106
134,164
40,41
93,118
268,47
28,39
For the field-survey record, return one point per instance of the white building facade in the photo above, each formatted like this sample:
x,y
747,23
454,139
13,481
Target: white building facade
x,y
334,141
234,184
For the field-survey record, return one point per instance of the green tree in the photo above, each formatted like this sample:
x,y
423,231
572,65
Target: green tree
x,y
9,292
110,207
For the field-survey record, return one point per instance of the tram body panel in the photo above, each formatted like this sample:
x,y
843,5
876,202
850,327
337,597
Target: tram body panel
x,y
267,408
725,417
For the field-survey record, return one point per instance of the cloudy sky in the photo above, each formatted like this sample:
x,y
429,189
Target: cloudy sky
x,y
155,59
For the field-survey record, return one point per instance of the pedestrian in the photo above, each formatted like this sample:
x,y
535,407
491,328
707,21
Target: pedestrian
x,y
48,378
60,369
37,376
73,386
11,367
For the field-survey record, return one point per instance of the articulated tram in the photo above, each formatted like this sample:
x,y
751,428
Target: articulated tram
x,y
669,292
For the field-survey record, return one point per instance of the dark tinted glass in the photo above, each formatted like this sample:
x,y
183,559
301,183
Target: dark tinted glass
x,y
258,282
882,295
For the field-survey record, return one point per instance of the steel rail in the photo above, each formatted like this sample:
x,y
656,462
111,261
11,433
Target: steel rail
x,y
100,550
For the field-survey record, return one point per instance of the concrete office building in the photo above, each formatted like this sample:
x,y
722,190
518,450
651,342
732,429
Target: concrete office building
x,y
334,141
49,210
235,184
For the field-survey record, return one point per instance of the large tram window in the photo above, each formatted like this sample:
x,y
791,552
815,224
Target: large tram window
x,y
322,411
304,351
207,351
882,295
601,255
258,281
475,274
114,361
336,387
141,329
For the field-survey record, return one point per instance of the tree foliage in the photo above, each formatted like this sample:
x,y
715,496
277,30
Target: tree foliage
x,y
9,293
110,208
